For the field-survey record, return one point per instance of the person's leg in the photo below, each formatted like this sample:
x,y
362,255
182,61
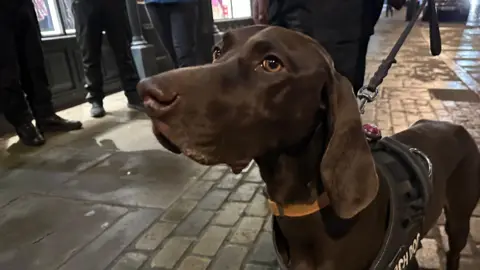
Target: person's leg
x,y
32,64
183,18
89,27
298,16
345,55
12,97
372,12
119,38
361,64
291,14
34,78
160,14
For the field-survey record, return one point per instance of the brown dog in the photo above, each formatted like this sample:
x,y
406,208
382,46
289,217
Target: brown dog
x,y
273,95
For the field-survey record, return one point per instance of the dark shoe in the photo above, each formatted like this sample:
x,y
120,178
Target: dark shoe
x,y
56,123
135,103
29,135
97,110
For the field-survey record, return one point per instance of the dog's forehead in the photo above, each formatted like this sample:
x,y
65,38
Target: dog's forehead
x,y
244,33
264,33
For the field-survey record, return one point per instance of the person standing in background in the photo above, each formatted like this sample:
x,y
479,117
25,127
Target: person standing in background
x,y
291,14
336,25
372,9
388,10
342,27
92,17
176,22
24,87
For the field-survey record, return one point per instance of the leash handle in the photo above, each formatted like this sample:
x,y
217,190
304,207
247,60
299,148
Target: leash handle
x,y
369,92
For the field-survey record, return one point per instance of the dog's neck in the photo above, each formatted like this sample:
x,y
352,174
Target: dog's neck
x,y
289,178
317,240
289,173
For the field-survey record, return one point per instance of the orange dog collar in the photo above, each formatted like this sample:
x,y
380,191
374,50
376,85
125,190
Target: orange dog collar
x,y
299,210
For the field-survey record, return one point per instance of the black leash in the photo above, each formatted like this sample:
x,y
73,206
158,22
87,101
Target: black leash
x,y
369,92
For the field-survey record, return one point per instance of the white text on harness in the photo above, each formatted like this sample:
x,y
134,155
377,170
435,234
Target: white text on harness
x,y
409,254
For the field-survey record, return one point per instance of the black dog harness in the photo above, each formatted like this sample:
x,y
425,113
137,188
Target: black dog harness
x,y
408,175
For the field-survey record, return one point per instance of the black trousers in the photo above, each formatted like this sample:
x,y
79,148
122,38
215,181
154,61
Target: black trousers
x,y
23,79
361,64
91,18
342,27
175,24
340,39
292,14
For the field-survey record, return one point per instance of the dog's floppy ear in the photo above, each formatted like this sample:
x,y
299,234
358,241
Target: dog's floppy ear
x,y
347,167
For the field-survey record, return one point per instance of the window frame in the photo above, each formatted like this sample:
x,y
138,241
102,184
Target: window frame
x,y
58,19
231,8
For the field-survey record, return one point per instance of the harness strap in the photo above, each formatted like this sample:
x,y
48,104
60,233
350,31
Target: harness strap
x,y
410,188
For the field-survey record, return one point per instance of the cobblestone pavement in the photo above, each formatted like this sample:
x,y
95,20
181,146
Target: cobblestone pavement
x,y
109,197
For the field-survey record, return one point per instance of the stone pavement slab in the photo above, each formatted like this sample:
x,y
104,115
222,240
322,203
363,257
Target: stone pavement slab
x,y
37,231
110,197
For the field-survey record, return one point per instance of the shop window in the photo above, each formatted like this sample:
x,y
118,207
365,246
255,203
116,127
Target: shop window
x,y
231,9
48,17
67,15
55,17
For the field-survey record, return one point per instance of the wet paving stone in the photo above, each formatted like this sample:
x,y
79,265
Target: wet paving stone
x,y
130,261
211,241
151,239
247,230
215,173
230,258
141,179
194,223
179,210
194,263
230,181
171,253
244,192
108,246
454,95
213,200
41,233
230,214
264,250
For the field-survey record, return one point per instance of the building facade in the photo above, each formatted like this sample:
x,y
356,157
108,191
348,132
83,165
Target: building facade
x,y
63,58
62,54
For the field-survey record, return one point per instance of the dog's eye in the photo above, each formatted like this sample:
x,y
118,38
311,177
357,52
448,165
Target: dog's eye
x,y
216,53
272,64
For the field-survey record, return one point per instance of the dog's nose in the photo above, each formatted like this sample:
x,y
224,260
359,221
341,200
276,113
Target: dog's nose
x,y
154,97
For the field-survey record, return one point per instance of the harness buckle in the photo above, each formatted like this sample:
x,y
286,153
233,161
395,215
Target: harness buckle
x,y
426,159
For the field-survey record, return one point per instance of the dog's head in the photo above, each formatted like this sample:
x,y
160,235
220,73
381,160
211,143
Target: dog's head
x,y
268,89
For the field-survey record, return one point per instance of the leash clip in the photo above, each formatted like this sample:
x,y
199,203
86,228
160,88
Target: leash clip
x,y
365,95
